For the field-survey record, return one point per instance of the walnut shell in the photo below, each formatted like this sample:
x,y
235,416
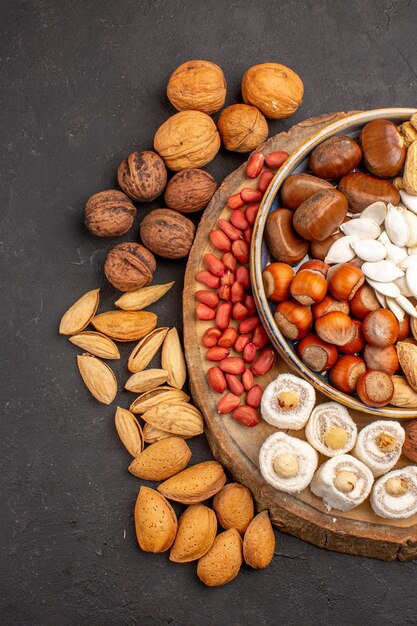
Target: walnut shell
x,y
190,191
197,85
109,213
275,89
142,176
187,139
167,233
242,128
410,442
129,266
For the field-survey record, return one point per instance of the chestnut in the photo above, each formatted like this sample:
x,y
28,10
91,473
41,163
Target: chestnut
x,y
380,328
346,371
361,190
277,279
308,287
344,280
375,388
283,242
319,249
327,305
319,216
318,355
293,319
363,302
383,148
384,359
358,342
316,265
300,187
336,328
335,157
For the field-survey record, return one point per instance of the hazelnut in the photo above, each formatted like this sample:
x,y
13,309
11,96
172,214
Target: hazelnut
x,y
242,128
275,89
129,266
386,442
410,442
345,481
167,233
109,213
288,400
197,85
285,465
142,176
187,139
336,438
190,191
396,487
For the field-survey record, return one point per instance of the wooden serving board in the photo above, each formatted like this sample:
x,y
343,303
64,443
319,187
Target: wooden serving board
x,y
303,515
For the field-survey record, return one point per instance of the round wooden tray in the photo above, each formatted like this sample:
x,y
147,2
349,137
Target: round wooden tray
x,y
303,515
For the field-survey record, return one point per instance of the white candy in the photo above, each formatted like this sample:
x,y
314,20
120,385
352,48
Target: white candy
x,y
283,418
399,506
323,418
373,455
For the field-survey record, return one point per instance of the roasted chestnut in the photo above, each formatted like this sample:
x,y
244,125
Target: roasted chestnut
x,y
319,216
361,190
283,242
335,157
383,148
300,187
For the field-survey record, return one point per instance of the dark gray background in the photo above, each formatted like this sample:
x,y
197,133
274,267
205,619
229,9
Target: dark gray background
x,y
83,84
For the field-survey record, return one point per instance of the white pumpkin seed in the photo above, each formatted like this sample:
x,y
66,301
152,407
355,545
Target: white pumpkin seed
x,y
362,229
412,251
409,261
369,250
386,289
396,226
407,306
341,251
411,278
395,254
383,238
382,271
409,200
411,220
404,289
376,212
395,308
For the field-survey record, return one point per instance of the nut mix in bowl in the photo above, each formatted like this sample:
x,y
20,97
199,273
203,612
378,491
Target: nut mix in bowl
x,y
332,261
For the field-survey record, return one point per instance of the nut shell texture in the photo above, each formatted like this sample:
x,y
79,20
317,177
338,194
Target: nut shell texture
x,y
188,139
155,521
197,529
198,85
259,542
222,562
242,128
190,191
167,233
275,89
142,176
109,214
129,266
234,507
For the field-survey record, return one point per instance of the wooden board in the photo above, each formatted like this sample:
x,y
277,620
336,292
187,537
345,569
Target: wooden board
x,y
303,515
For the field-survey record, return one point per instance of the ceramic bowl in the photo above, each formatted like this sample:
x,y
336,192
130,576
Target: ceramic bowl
x,y
260,256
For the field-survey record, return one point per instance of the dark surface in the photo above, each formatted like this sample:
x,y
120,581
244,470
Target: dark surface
x,y
83,84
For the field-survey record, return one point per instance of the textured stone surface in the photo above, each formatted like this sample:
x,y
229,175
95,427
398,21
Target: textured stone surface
x,y
83,85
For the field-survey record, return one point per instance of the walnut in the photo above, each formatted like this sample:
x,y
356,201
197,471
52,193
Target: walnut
x,y
167,233
197,85
142,176
129,266
410,443
242,128
190,191
109,213
187,139
275,89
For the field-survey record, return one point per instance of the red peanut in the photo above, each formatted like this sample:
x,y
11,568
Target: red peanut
x,y
247,235
246,415
229,261
254,165
204,312
213,264
260,338
240,250
239,311
216,379
232,365
237,292
228,338
239,220
235,201
247,379
210,337
209,298
209,279
228,278
217,353
264,180
249,325
249,352
263,363
249,195
254,396
223,314
249,303
220,240
251,213
241,342
228,403
234,385
243,276
229,230
224,292
274,160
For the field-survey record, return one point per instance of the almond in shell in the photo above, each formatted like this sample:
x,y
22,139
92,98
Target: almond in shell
x,y
155,521
146,380
80,314
407,356
234,507
97,344
129,431
159,395
125,325
259,541
140,299
161,460
404,395
194,484
197,529
143,353
152,434
222,562
98,377
177,418
172,359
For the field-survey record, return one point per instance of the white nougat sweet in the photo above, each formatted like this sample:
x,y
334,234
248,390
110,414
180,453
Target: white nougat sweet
x,y
379,445
394,495
287,463
342,482
287,402
331,430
